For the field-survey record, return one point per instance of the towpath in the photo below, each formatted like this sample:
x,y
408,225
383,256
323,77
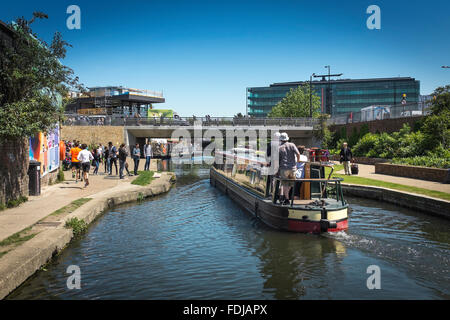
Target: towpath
x,y
368,171
59,195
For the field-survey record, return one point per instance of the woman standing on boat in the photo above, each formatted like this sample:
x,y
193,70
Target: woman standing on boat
x,y
288,158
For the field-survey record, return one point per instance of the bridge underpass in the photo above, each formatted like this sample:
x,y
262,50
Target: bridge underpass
x,y
300,135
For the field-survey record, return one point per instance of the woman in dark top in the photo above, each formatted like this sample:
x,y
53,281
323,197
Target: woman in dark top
x,y
96,160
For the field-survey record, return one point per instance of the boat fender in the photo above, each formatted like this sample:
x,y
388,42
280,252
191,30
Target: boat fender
x,y
332,225
324,214
326,224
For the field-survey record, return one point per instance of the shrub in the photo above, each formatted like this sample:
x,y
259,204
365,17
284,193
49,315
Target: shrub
x,y
364,145
79,226
60,177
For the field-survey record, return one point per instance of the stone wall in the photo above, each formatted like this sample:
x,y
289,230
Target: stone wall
x,y
14,159
94,134
386,125
420,203
415,172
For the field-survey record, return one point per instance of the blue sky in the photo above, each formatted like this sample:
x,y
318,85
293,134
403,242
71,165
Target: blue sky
x,y
203,54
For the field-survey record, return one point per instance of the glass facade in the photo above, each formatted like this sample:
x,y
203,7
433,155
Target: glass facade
x,y
343,95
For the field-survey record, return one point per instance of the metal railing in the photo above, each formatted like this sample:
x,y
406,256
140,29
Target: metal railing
x,y
381,113
107,120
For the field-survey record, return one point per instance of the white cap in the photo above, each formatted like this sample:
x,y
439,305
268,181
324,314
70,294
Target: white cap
x,y
276,135
284,136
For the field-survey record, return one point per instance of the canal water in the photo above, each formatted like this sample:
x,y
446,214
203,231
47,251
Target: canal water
x,y
196,243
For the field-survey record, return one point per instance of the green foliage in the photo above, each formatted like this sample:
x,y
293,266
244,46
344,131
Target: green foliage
x,y
437,125
425,161
71,207
365,145
343,133
32,81
13,203
322,132
428,144
297,104
437,129
60,177
144,178
441,101
79,226
17,238
354,137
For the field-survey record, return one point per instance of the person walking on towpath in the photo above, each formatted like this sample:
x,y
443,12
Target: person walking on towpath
x,y
288,158
96,162
136,157
346,157
123,154
85,157
75,162
148,153
112,156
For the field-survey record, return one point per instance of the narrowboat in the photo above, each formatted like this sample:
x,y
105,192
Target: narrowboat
x,y
316,203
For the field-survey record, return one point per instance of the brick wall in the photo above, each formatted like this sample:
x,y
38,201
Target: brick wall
x,y
93,134
361,160
431,174
14,159
386,125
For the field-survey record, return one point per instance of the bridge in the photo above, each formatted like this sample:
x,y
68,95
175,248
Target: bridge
x,y
300,130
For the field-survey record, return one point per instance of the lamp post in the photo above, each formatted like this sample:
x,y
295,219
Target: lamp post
x,y
310,94
329,89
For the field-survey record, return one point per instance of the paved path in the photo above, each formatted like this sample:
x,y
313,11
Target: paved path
x,y
56,196
368,171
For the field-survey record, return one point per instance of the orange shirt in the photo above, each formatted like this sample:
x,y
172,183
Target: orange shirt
x,y
74,153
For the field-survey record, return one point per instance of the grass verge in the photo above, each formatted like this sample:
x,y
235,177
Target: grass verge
x,y
71,207
384,184
17,238
144,178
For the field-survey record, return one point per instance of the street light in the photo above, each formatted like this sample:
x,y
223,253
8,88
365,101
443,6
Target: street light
x,y
310,94
445,67
329,90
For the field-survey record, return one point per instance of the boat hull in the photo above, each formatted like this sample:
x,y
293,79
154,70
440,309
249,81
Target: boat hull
x,y
294,219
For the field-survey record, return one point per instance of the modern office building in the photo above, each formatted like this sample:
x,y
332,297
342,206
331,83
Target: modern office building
x,y
338,96
114,100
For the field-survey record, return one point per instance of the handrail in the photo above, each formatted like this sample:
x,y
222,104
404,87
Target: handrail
x,y
309,180
121,120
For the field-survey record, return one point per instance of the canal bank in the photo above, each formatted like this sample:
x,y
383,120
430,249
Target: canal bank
x,y
421,203
196,243
52,235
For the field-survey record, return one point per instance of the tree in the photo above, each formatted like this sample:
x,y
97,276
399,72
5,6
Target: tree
x,y
437,125
322,132
297,104
33,81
